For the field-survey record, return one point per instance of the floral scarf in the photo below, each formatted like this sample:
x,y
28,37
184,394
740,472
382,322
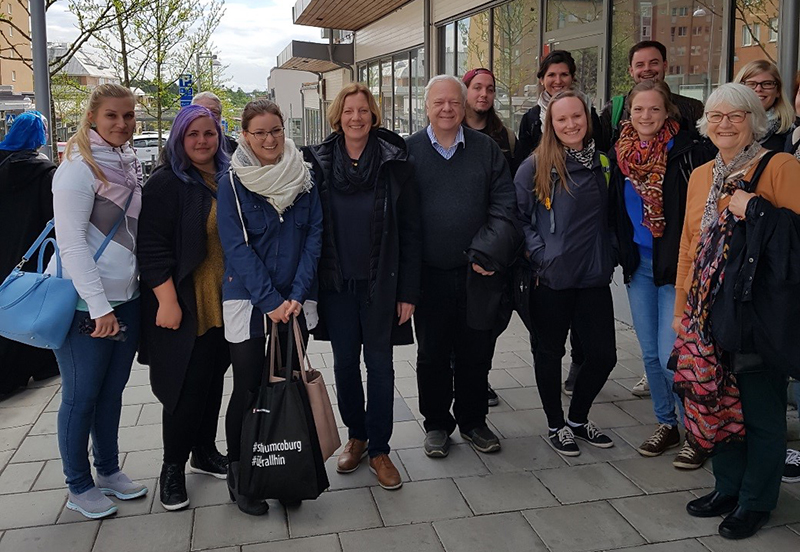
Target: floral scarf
x,y
708,386
645,164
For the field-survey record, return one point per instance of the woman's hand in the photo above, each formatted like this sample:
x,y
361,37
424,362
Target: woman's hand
x,y
281,314
479,269
676,324
169,315
738,204
105,326
404,312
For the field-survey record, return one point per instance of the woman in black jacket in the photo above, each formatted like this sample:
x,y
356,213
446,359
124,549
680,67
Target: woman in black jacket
x,y
26,204
369,271
654,159
765,80
181,262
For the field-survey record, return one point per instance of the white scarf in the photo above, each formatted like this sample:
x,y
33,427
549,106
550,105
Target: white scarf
x,y
543,102
280,183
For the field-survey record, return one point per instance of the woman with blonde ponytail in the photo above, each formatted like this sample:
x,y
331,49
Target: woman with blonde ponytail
x,y
562,197
96,201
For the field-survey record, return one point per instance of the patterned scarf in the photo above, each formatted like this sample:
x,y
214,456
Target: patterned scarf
x,y
543,102
796,141
773,124
708,386
645,164
585,156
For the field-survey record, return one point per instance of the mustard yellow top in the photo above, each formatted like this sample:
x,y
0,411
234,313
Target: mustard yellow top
x,y
208,275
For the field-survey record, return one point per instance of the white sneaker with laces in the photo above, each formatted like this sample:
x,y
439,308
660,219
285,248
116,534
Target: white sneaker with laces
x,y
791,470
642,388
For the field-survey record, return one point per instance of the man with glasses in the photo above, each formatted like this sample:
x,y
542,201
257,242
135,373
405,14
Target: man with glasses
x,y
211,101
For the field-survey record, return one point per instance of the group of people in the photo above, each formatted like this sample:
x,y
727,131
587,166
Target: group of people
x,y
455,227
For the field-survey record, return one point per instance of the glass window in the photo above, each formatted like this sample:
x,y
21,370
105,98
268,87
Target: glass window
x,y
751,17
449,50
694,41
418,117
373,79
402,82
472,43
362,74
387,84
562,14
516,60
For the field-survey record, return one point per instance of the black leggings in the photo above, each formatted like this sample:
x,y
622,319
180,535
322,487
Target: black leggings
x,y
193,423
249,362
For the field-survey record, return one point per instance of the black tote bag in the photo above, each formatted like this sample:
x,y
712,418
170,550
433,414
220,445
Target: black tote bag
x,y
281,457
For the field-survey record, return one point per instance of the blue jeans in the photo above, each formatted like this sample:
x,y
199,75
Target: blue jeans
x,y
345,313
652,309
93,374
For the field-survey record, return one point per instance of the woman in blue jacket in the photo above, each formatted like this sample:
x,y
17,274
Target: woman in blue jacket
x,y
270,224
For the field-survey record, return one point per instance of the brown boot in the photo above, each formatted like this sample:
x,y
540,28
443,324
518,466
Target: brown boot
x,y
388,476
351,456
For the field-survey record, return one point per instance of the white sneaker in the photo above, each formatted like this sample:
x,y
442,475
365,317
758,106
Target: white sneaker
x,y
641,389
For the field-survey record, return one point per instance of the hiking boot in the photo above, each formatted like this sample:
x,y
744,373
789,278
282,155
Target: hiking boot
x,y
388,476
689,458
564,442
208,461
642,388
120,486
437,443
791,470
351,456
590,433
482,439
92,503
172,483
493,399
665,437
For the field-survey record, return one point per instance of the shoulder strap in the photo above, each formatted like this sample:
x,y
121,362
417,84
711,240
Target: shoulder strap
x,y
606,164
753,183
114,228
238,206
617,104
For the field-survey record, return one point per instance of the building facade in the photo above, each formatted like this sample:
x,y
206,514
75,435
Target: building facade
x,y
15,47
396,45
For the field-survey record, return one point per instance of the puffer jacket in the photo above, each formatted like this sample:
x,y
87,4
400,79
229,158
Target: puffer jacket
x,y
85,210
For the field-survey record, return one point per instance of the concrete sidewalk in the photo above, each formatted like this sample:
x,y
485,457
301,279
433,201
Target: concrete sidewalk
x,y
524,498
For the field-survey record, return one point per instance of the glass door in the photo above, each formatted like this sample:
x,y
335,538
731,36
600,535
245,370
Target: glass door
x,y
588,53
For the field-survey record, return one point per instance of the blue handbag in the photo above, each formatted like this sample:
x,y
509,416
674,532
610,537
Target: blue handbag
x,y
36,308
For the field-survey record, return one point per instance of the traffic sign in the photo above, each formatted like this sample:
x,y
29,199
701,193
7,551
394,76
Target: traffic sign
x,y
10,119
185,89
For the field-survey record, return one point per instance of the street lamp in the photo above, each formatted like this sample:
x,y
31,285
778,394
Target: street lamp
x,y
701,12
214,62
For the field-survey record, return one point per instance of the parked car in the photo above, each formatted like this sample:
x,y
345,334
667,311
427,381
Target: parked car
x,y
146,147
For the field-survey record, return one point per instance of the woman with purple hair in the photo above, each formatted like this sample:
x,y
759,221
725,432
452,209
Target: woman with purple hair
x,y
182,265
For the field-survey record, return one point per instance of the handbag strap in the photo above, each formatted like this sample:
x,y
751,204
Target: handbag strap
x,y
238,206
750,186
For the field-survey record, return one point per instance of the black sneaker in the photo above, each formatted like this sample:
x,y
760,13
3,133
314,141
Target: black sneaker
x,y
791,470
208,461
172,485
493,399
591,434
564,442
482,439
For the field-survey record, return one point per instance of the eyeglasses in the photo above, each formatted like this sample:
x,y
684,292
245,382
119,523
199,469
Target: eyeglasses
x,y
765,85
733,116
261,135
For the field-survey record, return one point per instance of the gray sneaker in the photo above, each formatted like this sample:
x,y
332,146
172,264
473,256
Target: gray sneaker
x,y
482,439
437,443
120,486
92,503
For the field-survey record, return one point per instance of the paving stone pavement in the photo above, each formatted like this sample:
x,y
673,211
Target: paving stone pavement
x,y
524,498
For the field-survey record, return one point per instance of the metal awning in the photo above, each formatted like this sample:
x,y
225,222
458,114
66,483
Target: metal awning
x,y
315,57
350,15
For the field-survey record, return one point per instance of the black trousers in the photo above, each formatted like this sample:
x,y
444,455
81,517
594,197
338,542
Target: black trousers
x,y
250,360
442,333
590,314
193,423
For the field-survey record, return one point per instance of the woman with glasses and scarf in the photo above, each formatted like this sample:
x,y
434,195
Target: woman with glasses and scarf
x,y
652,160
764,78
736,310
562,205
369,272
181,260
270,224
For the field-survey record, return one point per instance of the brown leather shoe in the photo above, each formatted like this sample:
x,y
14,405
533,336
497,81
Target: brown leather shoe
x,y
388,476
351,456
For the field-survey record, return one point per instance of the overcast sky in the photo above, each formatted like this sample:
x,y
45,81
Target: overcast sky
x,y
248,40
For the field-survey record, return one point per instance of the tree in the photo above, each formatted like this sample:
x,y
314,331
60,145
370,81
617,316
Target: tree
x,y
68,98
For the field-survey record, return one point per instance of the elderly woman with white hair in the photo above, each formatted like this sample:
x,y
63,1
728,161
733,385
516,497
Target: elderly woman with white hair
x,y
736,310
